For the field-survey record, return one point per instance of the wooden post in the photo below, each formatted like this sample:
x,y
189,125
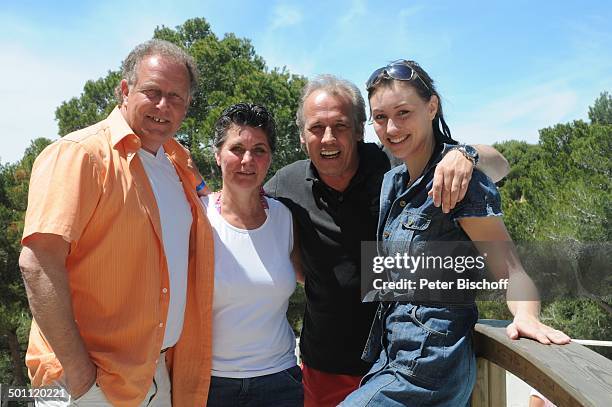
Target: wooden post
x,y
490,388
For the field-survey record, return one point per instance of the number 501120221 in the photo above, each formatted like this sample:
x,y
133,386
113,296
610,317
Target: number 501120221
x,y
22,393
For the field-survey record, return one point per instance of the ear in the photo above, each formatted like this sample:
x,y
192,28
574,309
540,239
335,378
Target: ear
x,y
125,90
359,133
217,158
432,106
302,141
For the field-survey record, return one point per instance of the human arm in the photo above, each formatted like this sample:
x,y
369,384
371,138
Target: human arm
x,y
42,262
535,401
492,162
454,171
489,234
296,258
65,190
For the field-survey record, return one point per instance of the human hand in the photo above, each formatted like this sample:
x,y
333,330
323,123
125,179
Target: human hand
x,y
79,380
204,191
451,179
529,326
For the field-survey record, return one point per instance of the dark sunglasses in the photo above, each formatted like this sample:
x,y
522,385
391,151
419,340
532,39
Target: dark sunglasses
x,y
398,70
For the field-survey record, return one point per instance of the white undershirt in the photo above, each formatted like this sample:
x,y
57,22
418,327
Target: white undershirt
x,y
254,278
175,217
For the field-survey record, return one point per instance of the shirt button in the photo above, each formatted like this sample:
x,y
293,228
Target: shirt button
x,y
161,324
164,290
386,234
402,203
410,222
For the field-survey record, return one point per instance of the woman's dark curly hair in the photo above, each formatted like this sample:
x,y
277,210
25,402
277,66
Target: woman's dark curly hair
x,y
245,114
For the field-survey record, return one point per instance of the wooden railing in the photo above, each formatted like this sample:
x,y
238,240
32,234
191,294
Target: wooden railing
x,y
568,375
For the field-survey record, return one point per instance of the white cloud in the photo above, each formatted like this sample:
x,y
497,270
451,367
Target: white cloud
x,y
517,116
34,86
285,15
357,10
411,11
43,66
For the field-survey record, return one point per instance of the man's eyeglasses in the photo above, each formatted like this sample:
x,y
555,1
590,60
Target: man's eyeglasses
x,y
398,70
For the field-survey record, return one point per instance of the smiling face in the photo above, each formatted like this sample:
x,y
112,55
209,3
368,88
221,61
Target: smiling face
x,y
244,158
330,137
402,119
155,106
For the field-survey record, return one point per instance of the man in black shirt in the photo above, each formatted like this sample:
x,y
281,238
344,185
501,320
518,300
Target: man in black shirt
x,y
334,198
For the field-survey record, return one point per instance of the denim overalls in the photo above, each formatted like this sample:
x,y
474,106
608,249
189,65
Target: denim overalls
x,y
423,351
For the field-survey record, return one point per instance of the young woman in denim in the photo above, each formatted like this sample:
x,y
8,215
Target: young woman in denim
x,y
423,346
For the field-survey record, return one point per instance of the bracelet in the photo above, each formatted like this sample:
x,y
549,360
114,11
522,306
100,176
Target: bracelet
x,y
201,186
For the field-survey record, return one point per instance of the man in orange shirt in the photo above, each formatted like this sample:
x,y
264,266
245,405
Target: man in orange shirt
x,y
118,254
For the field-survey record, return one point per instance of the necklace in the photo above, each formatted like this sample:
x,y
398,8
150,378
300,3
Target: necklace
x,y
262,199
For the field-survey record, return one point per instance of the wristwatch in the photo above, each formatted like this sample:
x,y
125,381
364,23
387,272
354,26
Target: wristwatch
x,y
468,152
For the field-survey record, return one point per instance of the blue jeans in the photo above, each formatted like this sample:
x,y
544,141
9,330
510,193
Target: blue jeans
x,y
282,389
427,358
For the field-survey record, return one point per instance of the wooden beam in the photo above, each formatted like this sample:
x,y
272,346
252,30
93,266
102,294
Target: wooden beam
x,y
568,375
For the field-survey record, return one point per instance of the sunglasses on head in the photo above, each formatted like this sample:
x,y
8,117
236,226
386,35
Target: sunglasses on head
x,y
398,70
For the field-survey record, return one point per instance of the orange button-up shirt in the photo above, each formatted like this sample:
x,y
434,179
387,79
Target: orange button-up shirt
x,y
91,188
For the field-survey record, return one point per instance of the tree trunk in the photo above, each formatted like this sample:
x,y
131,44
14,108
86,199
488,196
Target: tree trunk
x,y
19,377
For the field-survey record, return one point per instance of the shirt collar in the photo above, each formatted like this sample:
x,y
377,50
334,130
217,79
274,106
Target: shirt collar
x,y
121,132
439,151
401,175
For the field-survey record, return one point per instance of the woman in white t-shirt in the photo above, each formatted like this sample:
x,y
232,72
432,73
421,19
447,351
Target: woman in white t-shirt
x,y
254,363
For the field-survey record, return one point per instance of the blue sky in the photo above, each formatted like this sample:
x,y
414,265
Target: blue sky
x,y
504,69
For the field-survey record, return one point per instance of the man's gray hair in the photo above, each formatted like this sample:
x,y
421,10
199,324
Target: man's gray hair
x,y
163,48
335,86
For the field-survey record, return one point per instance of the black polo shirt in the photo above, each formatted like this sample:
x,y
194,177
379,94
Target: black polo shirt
x,y
331,227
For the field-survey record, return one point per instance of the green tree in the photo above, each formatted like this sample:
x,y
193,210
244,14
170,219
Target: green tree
x,y
230,72
14,314
577,181
559,191
601,111
519,190
95,103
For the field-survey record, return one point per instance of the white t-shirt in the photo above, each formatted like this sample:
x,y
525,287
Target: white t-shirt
x,y
254,278
175,218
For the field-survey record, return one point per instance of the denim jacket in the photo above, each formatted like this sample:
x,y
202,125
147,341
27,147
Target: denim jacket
x,y
408,220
